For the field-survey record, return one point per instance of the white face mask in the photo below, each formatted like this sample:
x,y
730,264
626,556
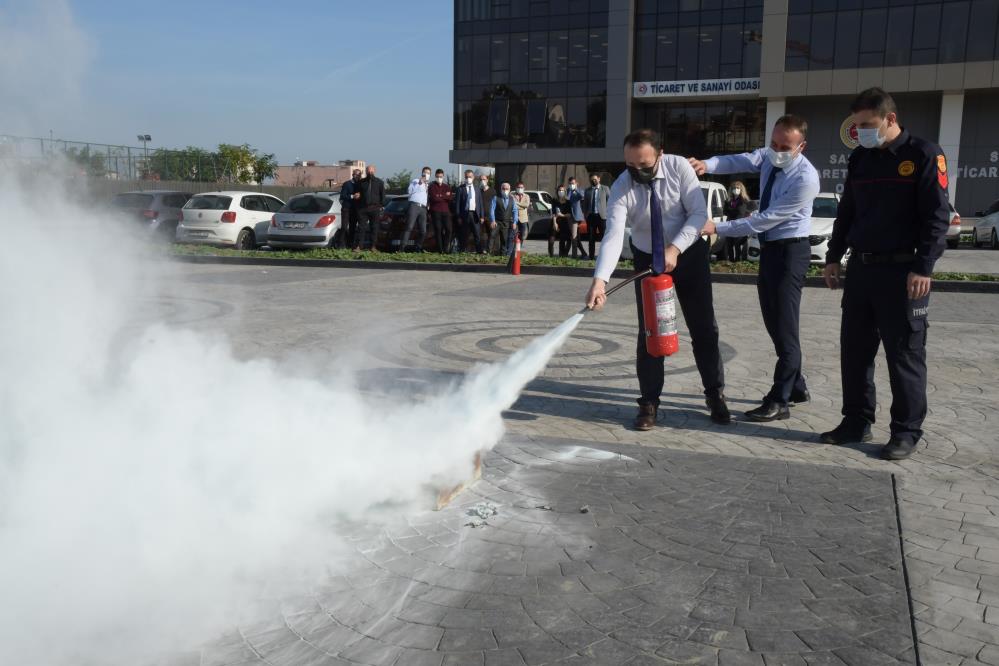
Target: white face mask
x,y
506,193
485,184
440,180
780,160
736,191
469,180
870,137
572,186
520,190
426,175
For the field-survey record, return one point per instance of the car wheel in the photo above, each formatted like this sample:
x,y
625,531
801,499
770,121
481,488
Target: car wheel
x,y
245,240
995,240
953,243
974,238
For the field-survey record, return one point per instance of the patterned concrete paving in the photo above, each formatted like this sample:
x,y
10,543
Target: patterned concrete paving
x,y
421,328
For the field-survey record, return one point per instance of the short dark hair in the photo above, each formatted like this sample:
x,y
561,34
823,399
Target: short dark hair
x,y
571,178
791,122
439,171
426,168
874,99
641,137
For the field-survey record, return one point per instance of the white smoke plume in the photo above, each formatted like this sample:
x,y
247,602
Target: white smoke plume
x,y
145,495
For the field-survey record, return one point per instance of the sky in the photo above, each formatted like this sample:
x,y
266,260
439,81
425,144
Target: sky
x,y
321,80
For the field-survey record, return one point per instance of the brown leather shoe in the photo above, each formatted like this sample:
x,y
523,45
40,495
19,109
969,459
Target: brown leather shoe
x,y
646,419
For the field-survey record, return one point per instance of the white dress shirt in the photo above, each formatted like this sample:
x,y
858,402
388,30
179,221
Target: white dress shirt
x,y
683,207
418,191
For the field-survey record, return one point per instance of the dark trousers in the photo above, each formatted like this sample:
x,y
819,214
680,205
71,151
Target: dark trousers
x,y
781,279
469,224
876,311
568,239
415,216
443,231
692,281
595,226
499,237
737,249
367,227
348,226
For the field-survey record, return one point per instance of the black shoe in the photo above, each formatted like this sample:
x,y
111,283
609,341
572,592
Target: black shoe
x,y
646,418
769,411
845,434
719,410
898,449
800,397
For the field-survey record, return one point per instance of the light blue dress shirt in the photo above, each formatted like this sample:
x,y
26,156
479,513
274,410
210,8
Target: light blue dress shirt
x,y
790,211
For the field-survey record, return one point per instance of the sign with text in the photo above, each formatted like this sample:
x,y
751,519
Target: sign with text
x,y
696,88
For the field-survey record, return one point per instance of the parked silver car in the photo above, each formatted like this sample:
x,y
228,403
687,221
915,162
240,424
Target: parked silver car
x,y
307,220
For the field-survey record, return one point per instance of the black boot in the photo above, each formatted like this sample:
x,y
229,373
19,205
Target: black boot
x,y
898,448
847,433
769,411
646,419
719,410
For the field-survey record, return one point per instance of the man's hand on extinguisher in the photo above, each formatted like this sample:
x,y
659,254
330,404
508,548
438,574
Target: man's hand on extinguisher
x,y
597,295
672,255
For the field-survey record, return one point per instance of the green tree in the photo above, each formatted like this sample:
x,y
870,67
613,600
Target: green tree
x,y
399,181
93,164
264,166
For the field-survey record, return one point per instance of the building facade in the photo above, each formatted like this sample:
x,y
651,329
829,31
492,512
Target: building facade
x,y
545,89
310,173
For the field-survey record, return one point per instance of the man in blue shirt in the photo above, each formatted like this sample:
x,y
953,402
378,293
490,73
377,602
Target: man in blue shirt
x,y
781,224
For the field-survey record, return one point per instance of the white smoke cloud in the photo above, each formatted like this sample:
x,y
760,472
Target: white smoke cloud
x,y
151,484
46,56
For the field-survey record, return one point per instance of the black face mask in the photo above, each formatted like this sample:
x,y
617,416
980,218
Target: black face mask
x,y
643,176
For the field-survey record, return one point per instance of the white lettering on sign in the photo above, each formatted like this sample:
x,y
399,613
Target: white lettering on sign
x,y
965,171
696,88
994,157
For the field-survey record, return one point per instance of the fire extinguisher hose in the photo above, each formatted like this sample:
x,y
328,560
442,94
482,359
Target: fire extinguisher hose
x,y
620,284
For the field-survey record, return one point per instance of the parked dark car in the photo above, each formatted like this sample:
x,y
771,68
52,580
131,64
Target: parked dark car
x,y
392,225
159,210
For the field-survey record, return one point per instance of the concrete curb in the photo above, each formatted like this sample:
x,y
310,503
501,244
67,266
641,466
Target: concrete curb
x,y
953,286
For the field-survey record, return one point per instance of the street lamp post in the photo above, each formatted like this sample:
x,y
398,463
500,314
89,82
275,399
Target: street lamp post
x,y
145,138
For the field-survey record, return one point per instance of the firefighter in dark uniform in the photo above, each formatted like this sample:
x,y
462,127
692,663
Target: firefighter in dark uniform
x,y
893,217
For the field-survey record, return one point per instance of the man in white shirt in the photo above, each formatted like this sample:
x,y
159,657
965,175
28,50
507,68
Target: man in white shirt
x,y
417,213
669,183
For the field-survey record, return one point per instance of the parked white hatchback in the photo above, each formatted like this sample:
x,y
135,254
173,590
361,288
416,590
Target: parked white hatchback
x,y
986,229
233,218
824,209
307,220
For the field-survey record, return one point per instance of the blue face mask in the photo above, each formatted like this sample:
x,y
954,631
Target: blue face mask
x,y
870,137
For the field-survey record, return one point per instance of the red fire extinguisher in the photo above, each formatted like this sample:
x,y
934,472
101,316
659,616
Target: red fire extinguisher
x,y
659,315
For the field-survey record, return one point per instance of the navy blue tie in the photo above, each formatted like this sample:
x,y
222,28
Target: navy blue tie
x,y
658,243
765,197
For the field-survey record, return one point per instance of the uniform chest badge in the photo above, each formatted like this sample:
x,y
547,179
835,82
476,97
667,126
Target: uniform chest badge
x,y
906,168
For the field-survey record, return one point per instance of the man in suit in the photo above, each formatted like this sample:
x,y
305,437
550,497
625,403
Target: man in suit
x,y
470,209
595,207
370,198
348,210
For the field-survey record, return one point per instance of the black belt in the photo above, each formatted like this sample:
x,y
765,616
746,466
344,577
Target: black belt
x,y
886,257
785,241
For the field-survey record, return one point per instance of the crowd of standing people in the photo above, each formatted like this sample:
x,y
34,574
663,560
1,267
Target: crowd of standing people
x,y
472,216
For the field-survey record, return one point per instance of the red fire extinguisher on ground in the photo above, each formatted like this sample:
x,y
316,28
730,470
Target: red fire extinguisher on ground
x,y
659,315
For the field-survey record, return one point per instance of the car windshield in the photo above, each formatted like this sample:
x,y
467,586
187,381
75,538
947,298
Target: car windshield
x,y
133,200
307,205
824,207
396,205
209,202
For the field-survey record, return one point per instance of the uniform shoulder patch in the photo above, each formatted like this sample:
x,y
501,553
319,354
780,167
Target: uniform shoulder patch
x,y
942,171
906,168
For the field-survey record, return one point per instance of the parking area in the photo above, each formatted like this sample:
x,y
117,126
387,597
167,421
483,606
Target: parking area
x,y
433,326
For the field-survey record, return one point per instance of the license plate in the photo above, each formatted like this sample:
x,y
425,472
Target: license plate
x,y
198,234
294,225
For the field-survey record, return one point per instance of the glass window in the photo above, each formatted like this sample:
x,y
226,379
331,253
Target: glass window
x,y
496,125
519,57
208,202
539,50
687,48
823,40
480,60
132,200
500,53
707,63
953,32
872,30
645,55
847,39
798,47
899,43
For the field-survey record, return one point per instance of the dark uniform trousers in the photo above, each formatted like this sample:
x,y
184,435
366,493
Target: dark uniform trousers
x,y
443,231
692,281
876,311
595,227
783,264
470,224
366,236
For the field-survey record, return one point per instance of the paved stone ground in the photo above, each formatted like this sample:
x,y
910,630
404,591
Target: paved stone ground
x,y
419,328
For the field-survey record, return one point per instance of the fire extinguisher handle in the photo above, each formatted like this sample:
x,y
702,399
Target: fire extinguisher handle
x,y
620,284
